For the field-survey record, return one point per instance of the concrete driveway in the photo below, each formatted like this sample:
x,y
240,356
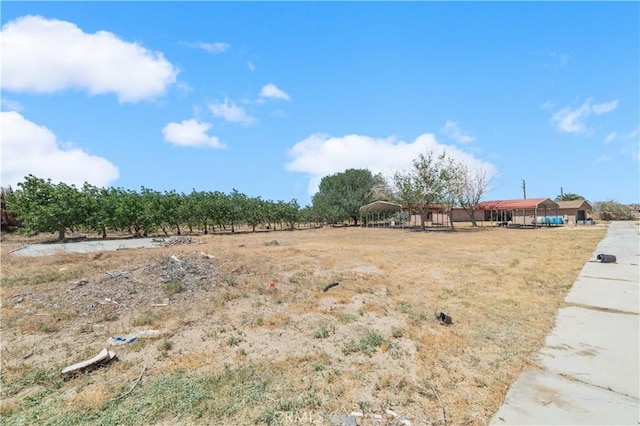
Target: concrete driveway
x,y
589,366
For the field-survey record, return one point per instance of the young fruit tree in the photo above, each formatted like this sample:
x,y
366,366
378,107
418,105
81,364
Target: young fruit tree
x,y
475,184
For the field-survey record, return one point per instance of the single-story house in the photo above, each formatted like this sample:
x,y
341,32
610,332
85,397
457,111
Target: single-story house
x,y
527,211
575,211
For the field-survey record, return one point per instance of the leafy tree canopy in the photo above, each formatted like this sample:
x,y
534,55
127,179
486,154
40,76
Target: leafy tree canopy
x,y
569,197
341,195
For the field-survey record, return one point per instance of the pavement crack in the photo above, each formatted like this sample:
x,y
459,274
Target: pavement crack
x,y
607,278
608,388
600,309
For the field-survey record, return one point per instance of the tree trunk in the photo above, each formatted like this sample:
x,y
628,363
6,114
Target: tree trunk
x,y
178,227
423,220
61,234
104,232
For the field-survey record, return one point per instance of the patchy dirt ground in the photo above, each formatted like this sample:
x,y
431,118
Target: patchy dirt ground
x,y
250,310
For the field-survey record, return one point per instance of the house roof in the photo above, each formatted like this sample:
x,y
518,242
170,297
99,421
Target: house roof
x,y
520,204
574,204
380,207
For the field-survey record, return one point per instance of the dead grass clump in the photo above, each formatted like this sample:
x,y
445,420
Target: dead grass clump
x,y
149,318
91,397
277,320
192,361
107,313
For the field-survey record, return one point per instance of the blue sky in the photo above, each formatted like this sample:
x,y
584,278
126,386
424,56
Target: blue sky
x,y
269,97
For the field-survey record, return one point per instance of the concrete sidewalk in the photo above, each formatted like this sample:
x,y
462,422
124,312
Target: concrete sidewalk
x,y
590,362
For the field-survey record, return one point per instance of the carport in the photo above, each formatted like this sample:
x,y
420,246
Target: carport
x,y
382,214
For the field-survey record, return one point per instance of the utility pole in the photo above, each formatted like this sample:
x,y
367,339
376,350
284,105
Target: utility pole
x,y
524,189
561,194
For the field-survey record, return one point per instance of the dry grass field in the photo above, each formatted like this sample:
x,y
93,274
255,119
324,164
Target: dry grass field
x,y
234,349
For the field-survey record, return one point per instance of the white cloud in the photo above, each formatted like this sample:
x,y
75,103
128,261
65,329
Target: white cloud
x,y
28,148
190,133
453,131
572,121
547,105
320,155
601,159
251,66
184,87
271,91
229,111
11,105
569,120
214,48
634,133
42,55
610,138
605,107
550,59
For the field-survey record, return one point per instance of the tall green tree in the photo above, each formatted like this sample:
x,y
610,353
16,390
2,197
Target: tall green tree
x,y
423,185
254,212
45,207
100,207
341,195
289,212
237,205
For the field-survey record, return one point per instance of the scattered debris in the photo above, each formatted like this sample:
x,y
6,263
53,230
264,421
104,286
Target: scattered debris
x,y
111,275
444,415
444,318
175,241
121,340
134,384
79,283
272,243
343,420
330,286
175,258
391,413
272,286
606,258
149,334
206,255
103,358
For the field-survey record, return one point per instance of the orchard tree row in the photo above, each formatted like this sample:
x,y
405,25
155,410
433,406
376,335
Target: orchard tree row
x,y
42,206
